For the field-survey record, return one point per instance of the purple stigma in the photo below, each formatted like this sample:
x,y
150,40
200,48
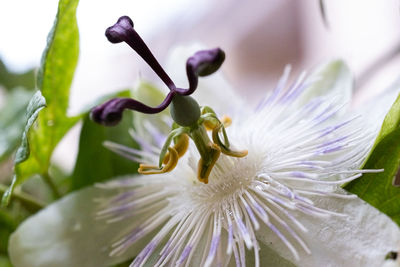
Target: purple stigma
x,y
110,112
123,31
202,63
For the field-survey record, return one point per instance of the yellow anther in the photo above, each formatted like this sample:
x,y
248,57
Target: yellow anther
x,y
169,166
182,144
204,168
181,147
225,150
226,120
209,150
236,154
209,125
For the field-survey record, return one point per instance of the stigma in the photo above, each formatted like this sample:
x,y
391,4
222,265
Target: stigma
x,y
190,120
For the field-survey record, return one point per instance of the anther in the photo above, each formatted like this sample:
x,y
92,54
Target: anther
x,y
224,148
190,121
181,146
169,166
204,168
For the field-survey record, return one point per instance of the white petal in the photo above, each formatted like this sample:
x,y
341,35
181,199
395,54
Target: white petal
x,y
362,239
213,90
374,110
391,263
67,234
331,79
268,257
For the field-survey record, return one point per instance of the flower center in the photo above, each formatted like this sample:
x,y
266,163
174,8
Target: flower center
x,y
190,120
230,177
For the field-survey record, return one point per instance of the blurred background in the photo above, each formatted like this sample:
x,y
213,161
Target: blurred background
x,y
259,37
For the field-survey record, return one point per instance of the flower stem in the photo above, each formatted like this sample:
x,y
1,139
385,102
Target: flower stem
x,y
49,181
28,201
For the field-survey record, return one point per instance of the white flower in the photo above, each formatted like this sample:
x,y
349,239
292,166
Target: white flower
x,y
281,205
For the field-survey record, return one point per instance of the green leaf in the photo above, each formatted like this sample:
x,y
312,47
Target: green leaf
x,y
36,104
95,163
11,80
391,122
5,261
12,120
377,188
7,226
54,80
10,218
124,264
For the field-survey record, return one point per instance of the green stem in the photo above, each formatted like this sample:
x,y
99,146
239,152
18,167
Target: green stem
x,y
29,202
49,181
